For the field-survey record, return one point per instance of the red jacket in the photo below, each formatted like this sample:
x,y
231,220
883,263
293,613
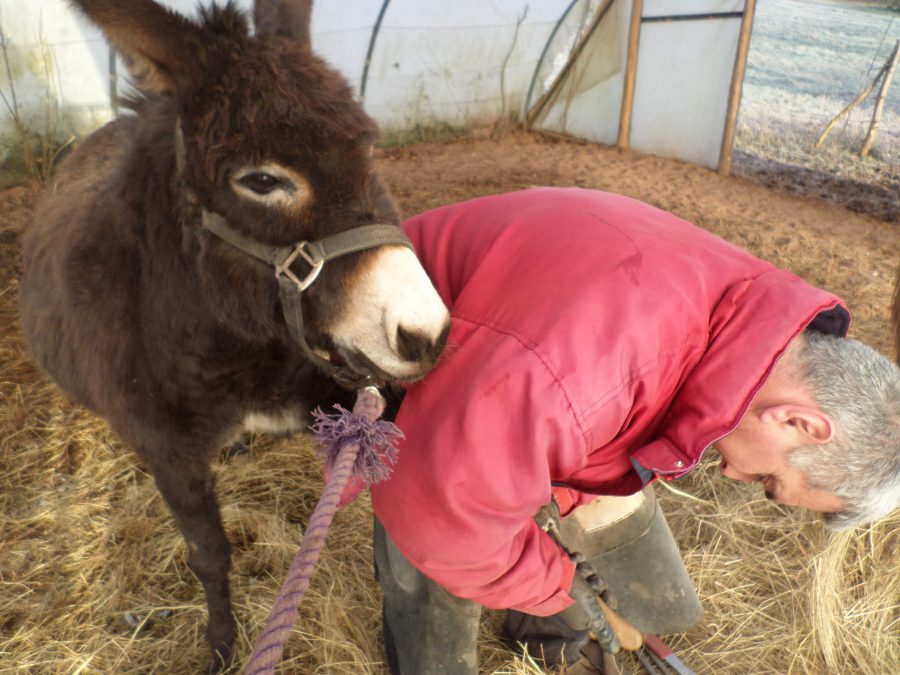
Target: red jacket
x,y
588,330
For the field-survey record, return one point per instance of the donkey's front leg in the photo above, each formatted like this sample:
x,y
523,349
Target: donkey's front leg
x,y
189,489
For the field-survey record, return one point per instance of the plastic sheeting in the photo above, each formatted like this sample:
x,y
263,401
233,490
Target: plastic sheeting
x,y
433,62
439,63
59,65
587,100
456,63
682,81
684,71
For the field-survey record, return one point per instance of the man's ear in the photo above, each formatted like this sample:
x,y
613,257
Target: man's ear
x,y
807,420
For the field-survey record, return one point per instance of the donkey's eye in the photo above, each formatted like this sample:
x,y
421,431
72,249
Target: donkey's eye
x,y
260,183
272,185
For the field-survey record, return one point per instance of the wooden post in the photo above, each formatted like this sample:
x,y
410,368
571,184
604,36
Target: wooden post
x,y
634,34
890,66
737,83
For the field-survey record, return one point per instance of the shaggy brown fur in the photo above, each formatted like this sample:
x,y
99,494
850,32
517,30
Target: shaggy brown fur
x,y
171,334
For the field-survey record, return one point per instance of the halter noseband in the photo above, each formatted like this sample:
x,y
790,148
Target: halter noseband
x,y
313,253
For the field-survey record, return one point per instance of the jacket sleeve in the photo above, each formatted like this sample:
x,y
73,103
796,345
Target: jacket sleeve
x,y
485,432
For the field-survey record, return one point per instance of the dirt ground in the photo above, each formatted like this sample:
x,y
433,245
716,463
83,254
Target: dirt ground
x,y
93,576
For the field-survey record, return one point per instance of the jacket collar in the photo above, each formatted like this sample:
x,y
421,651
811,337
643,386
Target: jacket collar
x,y
750,329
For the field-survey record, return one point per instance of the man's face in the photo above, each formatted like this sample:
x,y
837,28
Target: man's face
x,y
752,453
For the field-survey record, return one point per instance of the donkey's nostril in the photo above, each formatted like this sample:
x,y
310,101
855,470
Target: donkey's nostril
x,y
415,346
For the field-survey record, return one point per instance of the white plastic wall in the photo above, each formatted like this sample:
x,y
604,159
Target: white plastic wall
x,y
434,62
684,71
587,102
444,61
59,66
682,80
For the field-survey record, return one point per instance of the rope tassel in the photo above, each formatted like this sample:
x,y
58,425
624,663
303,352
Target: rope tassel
x,y
352,444
376,438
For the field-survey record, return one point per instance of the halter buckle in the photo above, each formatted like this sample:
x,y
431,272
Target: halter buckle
x,y
285,267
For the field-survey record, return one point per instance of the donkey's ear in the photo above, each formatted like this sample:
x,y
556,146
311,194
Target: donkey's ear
x,y
290,18
163,50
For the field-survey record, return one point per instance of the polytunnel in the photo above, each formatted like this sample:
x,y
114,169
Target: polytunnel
x,y
660,76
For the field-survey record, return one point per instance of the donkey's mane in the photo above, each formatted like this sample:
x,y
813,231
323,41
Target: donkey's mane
x,y
226,20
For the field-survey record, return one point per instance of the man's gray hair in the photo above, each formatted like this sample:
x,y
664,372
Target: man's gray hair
x,y
860,390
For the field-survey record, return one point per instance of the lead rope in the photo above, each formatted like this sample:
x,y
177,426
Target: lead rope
x,y
354,444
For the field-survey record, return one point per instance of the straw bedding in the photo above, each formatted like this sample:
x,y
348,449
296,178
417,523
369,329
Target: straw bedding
x,y
93,575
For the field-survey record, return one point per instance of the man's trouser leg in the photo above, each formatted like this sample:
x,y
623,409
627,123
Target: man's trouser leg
x,y
629,543
427,630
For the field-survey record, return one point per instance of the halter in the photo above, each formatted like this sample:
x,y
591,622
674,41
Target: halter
x,y
313,253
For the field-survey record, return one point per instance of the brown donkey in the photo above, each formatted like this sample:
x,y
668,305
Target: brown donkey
x,y
183,278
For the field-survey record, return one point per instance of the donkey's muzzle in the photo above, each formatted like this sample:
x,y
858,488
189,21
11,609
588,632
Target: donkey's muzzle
x,y
418,347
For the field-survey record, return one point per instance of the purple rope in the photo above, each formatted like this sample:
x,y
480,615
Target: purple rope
x,y
355,442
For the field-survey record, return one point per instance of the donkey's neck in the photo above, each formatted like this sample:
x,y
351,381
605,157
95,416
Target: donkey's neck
x,y
150,184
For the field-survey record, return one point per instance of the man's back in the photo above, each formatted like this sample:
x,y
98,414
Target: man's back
x,y
588,330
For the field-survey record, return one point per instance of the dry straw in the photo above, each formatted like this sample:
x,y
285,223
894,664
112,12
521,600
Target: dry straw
x,y
93,576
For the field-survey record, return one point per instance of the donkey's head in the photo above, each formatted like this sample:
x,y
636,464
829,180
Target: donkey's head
x,y
272,148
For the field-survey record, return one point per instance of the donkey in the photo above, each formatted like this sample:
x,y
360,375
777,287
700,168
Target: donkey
x,y
223,260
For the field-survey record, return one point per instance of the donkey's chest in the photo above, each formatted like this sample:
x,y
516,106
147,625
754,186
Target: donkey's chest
x,y
279,422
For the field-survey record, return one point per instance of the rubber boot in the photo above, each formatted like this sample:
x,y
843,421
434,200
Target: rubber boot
x,y
629,543
427,630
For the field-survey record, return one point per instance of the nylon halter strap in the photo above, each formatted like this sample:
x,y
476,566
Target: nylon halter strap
x,y
314,253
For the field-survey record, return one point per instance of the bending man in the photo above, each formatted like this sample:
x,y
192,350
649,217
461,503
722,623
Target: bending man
x,y
597,345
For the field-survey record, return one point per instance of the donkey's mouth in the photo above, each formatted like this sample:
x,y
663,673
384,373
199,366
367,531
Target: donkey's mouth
x,y
355,367
361,364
